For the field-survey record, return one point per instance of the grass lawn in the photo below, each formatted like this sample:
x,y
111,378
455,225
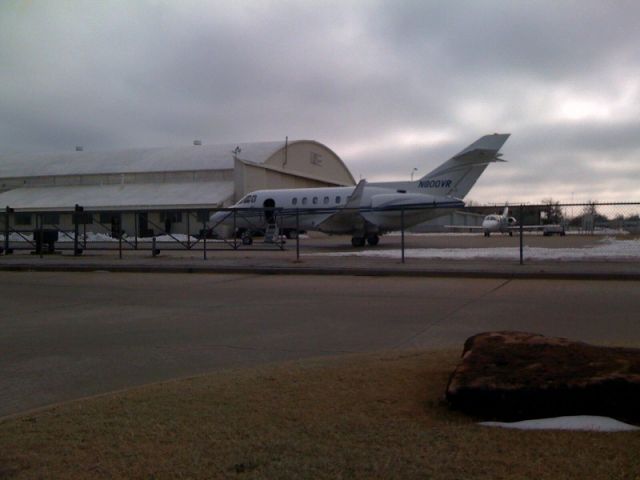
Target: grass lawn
x,y
357,416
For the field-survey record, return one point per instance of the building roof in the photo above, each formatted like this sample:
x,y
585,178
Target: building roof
x,y
164,159
127,196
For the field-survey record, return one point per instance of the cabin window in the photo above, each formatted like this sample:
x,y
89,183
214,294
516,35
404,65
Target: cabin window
x,y
304,200
338,199
315,200
294,201
326,200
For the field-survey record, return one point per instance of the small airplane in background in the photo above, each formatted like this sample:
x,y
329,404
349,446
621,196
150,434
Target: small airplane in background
x,y
367,210
503,223
499,223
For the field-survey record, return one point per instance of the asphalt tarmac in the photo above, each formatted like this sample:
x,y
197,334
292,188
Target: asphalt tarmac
x,y
68,335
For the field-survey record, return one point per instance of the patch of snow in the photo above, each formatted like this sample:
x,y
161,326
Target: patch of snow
x,y
99,237
16,237
578,422
174,237
608,249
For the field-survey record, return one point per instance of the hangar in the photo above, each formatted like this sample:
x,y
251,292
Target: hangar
x,y
148,190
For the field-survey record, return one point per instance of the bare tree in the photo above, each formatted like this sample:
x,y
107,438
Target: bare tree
x,y
552,211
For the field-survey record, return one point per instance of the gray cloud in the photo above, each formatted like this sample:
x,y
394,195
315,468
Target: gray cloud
x,y
377,81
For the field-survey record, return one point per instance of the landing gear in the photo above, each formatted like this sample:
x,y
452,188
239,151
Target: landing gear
x,y
291,234
247,239
487,234
372,239
357,241
511,234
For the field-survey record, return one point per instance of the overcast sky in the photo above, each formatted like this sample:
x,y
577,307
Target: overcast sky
x,y
387,85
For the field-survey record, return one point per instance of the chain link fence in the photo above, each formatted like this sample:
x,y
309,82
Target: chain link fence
x,y
149,232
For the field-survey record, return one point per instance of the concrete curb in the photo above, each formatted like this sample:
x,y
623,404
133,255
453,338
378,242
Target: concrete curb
x,y
326,270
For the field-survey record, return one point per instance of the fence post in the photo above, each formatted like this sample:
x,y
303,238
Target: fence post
x,y
402,232
204,233
76,217
297,234
235,239
8,211
40,241
188,230
521,234
136,219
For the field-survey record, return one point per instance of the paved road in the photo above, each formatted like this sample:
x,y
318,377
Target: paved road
x,y
67,335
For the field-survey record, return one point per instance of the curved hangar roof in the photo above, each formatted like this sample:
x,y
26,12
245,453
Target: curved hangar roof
x,y
172,159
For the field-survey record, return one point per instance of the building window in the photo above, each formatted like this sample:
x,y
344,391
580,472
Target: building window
x,y
173,217
83,218
109,217
50,218
294,201
203,216
22,219
338,199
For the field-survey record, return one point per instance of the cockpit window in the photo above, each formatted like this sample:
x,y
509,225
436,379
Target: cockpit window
x,y
248,199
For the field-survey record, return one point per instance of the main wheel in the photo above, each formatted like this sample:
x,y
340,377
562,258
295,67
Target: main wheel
x,y
373,240
247,240
357,241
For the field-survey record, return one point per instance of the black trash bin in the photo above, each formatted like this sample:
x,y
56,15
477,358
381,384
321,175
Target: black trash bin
x,y
45,240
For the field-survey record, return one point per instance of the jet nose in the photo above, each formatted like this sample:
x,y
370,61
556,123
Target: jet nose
x,y
218,218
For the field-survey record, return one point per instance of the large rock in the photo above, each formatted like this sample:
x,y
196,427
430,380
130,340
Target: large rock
x,y
514,376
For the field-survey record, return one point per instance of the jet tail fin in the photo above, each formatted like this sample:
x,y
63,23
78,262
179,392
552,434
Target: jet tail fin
x,y
456,176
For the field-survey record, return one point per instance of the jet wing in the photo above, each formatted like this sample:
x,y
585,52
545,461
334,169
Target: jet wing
x,y
527,227
348,216
463,227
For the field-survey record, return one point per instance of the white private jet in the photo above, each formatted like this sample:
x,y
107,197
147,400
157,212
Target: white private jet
x,y
367,210
499,223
